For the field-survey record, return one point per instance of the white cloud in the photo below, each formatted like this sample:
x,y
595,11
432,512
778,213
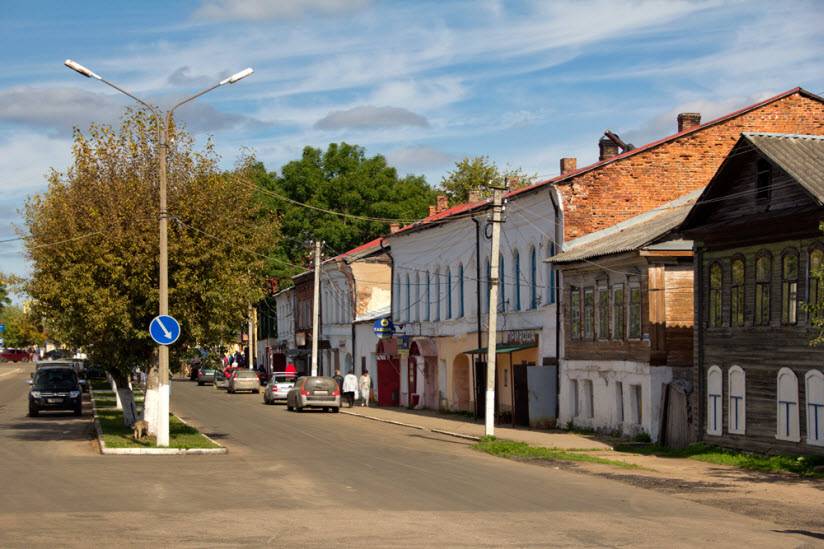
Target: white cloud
x,y
25,160
256,10
419,157
370,117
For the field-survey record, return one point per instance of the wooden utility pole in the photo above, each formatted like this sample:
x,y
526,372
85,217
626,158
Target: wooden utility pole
x,y
492,331
316,310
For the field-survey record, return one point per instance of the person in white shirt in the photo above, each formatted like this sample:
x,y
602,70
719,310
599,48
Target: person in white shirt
x,y
365,387
350,387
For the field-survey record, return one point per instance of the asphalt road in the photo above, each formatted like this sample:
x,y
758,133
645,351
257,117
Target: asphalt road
x,y
316,479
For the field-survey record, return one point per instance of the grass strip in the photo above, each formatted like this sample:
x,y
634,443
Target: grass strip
x,y
117,435
804,466
522,451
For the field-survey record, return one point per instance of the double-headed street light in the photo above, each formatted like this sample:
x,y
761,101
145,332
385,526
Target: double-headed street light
x,y
163,138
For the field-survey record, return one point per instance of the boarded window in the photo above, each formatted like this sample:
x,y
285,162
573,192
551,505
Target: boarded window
x,y
461,304
588,399
573,398
714,403
533,279
737,405
436,298
428,297
575,312
789,289
763,274
589,313
603,312
448,292
635,311
619,401
787,404
814,385
737,293
636,404
516,279
619,314
715,296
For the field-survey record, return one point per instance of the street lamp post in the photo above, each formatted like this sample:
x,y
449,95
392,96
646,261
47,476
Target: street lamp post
x,y
163,140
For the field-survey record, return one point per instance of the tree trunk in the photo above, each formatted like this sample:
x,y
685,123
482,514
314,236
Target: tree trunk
x,y
151,399
118,403
125,399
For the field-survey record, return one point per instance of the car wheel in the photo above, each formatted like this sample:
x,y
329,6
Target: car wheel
x,y
335,410
33,411
288,406
257,391
200,384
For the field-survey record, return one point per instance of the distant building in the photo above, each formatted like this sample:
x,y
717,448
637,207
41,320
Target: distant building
x,y
758,240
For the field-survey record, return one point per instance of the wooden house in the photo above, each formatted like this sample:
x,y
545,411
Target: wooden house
x,y
758,241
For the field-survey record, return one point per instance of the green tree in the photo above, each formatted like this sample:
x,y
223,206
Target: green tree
x,y
5,301
94,245
22,330
478,173
341,179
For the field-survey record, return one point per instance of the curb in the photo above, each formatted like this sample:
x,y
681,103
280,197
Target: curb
x,y
150,451
453,434
419,427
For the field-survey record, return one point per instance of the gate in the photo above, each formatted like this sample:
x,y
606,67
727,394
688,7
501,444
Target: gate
x,y
389,382
520,395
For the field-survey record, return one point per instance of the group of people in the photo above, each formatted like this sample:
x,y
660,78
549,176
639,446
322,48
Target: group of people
x,y
351,386
236,360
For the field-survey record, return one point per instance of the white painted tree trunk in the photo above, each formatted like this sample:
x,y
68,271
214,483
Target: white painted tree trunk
x,y
125,395
119,404
150,400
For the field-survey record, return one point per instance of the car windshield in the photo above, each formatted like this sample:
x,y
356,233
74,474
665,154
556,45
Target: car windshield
x,y
246,373
283,378
320,384
57,379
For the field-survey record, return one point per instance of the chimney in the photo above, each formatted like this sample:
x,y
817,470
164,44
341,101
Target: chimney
x,y
474,196
608,148
443,202
568,164
688,120
432,210
394,227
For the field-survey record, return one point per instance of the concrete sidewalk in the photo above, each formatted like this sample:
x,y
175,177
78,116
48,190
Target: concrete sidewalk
x,y
469,428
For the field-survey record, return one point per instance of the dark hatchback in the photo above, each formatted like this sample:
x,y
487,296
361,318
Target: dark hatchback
x,y
55,388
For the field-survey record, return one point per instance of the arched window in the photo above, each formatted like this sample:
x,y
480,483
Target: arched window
x,y
550,274
461,308
789,288
533,278
436,299
714,308
737,405
815,298
408,302
787,403
501,283
428,303
763,275
417,307
516,275
737,292
449,292
714,403
814,393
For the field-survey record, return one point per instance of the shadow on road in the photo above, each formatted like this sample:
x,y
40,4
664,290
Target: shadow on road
x,y
50,426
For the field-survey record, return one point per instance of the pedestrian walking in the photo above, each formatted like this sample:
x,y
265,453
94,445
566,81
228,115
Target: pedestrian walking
x,y
365,387
339,380
350,387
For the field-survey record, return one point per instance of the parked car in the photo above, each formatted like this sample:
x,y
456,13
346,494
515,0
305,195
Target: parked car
x,y
205,375
220,380
244,380
314,392
15,355
278,387
55,387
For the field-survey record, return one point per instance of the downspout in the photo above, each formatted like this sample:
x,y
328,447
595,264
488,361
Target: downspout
x,y
558,242
477,306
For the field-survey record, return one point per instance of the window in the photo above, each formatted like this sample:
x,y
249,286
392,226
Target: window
x,y
763,273
789,288
461,309
516,273
603,311
501,284
417,307
533,279
715,296
551,275
589,313
814,297
436,299
408,298
619,401
428,295
636,404
737,405
787,403
448,292
619,314
763,180
575,312
737,293
573,400
714,403
635,310
814,391
588,399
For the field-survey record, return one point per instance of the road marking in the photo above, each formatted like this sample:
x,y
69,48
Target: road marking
x,y
4,374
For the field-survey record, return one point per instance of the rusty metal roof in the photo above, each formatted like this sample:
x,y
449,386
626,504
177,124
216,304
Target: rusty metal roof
x,y
801,156
632,234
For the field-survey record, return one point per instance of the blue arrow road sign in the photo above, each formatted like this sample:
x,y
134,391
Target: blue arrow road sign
x,y
164,329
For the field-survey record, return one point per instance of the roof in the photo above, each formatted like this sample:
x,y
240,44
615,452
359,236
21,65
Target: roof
x,y
467,208
361,251
801,156
633,233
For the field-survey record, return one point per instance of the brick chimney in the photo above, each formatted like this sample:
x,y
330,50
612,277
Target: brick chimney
x,y
394,227
608,148
443,203
474,196
568,164
432,210
687,120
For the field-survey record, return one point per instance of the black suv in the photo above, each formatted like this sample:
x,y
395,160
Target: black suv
x,y
55,388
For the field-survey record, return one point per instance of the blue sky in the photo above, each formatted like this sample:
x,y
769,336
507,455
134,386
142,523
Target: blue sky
x,y
424,83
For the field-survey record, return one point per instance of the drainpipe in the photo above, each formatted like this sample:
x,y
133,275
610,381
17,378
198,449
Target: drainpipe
x,y
558,241
477,305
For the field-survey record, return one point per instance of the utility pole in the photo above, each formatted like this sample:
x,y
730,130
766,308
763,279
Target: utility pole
x,y
252,340
492,332
316,310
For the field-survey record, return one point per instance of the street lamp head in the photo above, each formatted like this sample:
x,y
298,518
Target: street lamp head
x,y
237,76
77,67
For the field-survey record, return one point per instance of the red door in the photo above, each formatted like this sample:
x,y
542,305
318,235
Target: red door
x,y
389,382
412,374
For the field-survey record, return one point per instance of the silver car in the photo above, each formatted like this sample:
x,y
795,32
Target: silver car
x,y
314,392
278,387
244,380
